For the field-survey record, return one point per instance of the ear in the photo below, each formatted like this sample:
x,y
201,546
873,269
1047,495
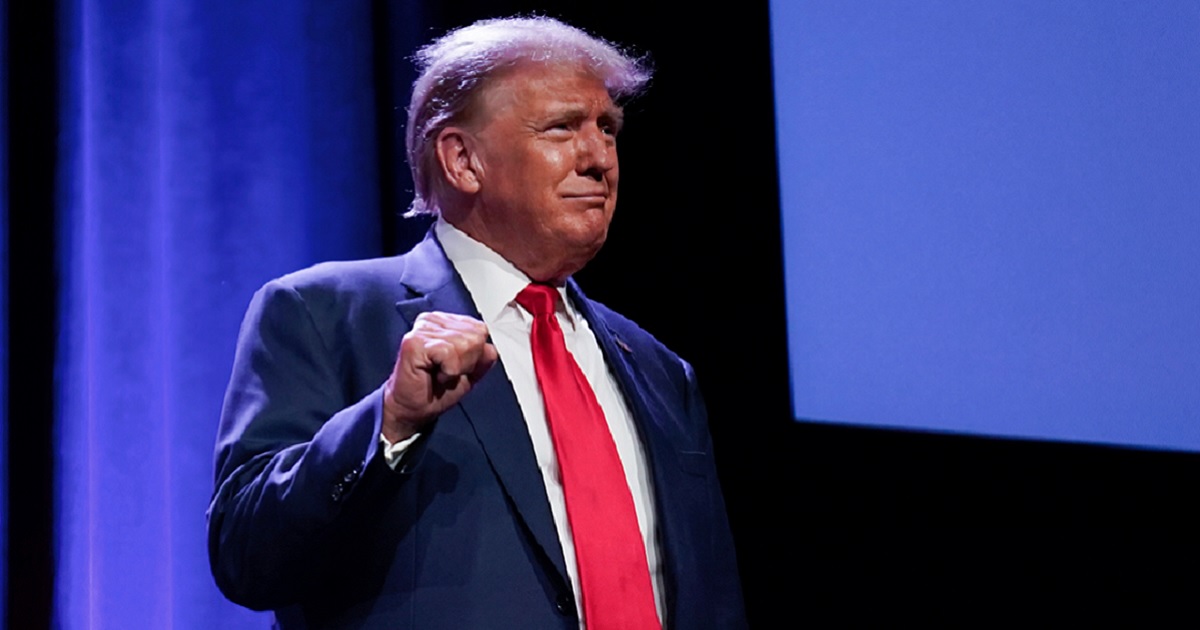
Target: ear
x,y
456,157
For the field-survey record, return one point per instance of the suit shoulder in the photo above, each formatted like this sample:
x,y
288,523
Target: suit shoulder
x,y
629,332
343,276
622,324
339,293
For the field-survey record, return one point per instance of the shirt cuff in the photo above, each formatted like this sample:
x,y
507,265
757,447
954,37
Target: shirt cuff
x,y
393,453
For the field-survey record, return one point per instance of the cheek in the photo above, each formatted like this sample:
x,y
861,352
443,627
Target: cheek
x,y
557,165
555,157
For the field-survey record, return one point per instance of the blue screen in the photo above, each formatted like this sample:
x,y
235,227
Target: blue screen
x,y
991,215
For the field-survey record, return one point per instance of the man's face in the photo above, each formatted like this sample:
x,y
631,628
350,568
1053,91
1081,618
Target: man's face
x,y
545,141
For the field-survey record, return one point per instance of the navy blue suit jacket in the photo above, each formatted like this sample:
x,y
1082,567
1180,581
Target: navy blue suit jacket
x,y
308,520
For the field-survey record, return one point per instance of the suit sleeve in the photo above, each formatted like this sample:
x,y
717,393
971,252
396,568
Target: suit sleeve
x,y
292,449
725,606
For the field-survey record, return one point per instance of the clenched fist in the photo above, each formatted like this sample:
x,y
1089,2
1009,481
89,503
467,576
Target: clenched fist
x,y
439,361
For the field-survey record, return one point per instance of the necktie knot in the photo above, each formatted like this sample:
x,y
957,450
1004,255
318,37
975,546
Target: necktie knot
x,y
538,299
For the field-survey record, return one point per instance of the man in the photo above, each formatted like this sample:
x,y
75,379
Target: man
x,y
528,459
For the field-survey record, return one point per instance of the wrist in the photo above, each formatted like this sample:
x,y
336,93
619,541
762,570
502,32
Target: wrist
x,y
397,426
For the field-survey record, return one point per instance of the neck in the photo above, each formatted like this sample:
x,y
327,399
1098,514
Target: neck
x,y
550,270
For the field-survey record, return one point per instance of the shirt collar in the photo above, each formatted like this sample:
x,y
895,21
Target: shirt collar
x,y
491,279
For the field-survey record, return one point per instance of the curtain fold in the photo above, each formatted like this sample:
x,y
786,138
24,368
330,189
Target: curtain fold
x,y
4,266
204,150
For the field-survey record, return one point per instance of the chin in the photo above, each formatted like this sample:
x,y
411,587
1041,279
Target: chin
x,y
589,246
580,254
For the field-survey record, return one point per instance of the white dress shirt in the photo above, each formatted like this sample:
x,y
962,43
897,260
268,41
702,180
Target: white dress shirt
x,y
494,283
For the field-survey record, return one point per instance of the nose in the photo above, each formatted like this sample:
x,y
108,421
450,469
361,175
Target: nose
x,y
596,152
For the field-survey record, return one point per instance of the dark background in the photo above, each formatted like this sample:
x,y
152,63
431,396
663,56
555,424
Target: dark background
x,y
835,525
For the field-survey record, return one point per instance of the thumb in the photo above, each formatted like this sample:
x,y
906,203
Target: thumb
x,y
487,359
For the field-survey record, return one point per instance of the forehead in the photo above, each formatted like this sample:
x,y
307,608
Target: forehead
x,y
533,89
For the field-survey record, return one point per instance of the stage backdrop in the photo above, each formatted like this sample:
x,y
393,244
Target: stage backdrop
x,y
990,214
3,314
205,149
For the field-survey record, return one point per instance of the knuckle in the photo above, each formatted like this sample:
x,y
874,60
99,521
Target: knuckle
x,y
409,342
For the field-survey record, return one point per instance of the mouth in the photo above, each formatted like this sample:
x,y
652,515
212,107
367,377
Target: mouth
x,y
589,197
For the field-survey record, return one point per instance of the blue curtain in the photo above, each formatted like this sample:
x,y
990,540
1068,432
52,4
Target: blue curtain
x,y
3,315
205,148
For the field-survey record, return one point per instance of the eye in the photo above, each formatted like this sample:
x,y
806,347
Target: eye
x,y
609,126
560,129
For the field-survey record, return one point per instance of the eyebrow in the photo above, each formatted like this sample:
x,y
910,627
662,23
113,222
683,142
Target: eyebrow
x,y
613,114
616,115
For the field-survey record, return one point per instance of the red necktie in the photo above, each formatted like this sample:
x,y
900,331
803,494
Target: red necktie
x,y
613,575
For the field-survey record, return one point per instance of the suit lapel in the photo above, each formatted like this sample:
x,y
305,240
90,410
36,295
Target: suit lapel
x,y
618,354
491,408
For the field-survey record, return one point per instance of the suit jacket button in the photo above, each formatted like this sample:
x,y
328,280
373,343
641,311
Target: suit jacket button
x,y
565,604
338,491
